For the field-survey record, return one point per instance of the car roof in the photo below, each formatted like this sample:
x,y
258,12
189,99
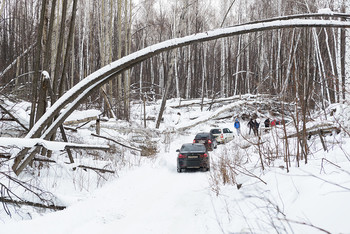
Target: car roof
x,y
188,144
194,145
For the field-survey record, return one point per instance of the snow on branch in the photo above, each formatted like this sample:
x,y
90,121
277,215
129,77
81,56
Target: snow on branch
x,y
50,145
73,97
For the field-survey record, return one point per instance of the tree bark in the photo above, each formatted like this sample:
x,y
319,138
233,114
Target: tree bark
x,y
55,79
68,48
37,64
29,203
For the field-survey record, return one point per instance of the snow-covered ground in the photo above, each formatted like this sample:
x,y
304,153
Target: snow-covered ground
x,y
148,195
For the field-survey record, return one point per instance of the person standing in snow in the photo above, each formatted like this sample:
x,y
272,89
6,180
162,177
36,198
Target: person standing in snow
x,y
256,127
251,125
178,119
267,123
273,123
237,127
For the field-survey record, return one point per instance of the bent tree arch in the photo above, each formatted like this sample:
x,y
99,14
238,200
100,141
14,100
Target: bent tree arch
x,y
73,97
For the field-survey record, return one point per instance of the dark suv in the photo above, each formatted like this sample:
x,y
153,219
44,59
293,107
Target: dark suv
x,y
193,156
207,139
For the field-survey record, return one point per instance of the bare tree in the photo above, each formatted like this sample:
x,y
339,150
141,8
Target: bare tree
x,y
37,64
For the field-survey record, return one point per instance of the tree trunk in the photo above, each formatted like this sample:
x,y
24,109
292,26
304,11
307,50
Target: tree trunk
x,y
59,50
127,29
68,48
166,89
37,64
119,79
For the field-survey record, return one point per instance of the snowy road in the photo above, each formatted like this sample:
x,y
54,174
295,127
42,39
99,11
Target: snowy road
x,y
157,199
153,198
162,201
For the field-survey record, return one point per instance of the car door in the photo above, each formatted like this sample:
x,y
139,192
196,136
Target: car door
x,y
228,133
213,139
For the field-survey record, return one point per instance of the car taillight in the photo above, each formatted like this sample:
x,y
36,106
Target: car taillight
x,y
204,155
209,141
194,141
181,156
222,136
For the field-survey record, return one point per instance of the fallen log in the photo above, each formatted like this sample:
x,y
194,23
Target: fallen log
x,y
317,131
94,147
14,118
85,120
5,155
198,102
33,145
96,169
130,147
29,203
53,161
79,166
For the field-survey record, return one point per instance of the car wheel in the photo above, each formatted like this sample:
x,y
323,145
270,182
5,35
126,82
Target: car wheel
x,y
179,170
216,146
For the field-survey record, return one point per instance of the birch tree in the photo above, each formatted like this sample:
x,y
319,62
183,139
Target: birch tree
x,y
119,55
345,42
127,29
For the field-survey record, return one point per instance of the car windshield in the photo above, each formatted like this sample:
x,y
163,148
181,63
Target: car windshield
x,y
216,131
193,147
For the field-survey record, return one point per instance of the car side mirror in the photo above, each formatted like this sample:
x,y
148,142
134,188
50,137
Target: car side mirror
x,y
177,150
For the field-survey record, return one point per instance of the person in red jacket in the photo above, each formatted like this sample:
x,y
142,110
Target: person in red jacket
x,y
273,123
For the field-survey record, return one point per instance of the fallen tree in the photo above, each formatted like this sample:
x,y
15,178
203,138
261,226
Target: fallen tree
x,y
14,118
29,203
45,127
8,196
110,139
316,130
42,159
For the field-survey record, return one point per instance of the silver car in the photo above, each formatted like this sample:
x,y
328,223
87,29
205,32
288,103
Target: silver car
x,y
222,135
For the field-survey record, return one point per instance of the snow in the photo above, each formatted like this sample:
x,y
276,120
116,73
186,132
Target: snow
x,y
96,79
151,197
325,11
28,143
78,115
100,76
45,74
147,195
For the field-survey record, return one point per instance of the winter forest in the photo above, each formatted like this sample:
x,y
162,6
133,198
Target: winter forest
x,y
79,37
97,96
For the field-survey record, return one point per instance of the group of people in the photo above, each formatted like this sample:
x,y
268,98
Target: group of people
x,y
270,124
254,125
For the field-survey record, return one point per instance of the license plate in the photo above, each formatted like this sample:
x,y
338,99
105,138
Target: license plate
x,y
202,141
192,156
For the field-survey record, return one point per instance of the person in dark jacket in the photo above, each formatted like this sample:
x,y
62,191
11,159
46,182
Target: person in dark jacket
x,y
256,128
267,122
251,125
